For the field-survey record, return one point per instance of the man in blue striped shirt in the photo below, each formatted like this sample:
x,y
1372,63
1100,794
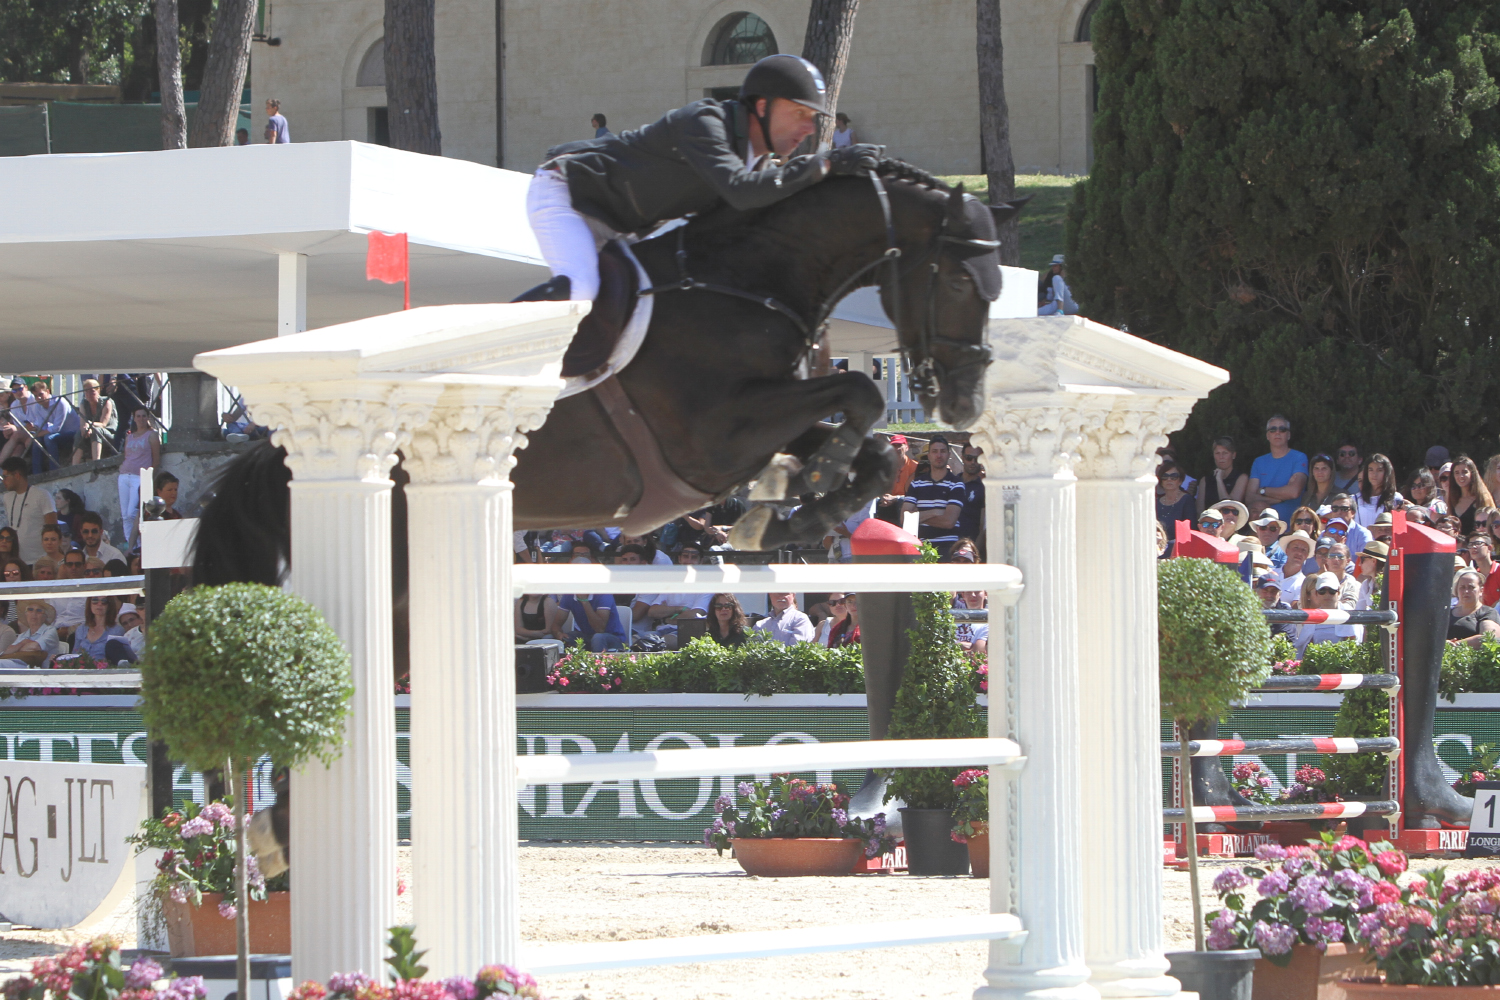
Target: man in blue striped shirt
x,y
937,497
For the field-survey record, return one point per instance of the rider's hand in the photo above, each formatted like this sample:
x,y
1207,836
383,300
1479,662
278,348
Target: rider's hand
x,y
853,159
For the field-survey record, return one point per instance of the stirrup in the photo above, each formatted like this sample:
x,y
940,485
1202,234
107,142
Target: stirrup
x,y
558,289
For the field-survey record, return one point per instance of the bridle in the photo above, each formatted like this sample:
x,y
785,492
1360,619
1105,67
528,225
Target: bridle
x,y
926,371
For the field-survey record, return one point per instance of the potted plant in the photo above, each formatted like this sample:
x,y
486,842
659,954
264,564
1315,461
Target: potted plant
x,y
1305,921
195,884
94,970
238,672
1436,940
1214,647
937,699
971,818
787,826
407,982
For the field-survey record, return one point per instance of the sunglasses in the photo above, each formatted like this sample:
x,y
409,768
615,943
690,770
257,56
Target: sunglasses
x,y
1327,590
1279,430
1344,508
1172,475
1304,520
1348,453
1336,531
841,600
725,607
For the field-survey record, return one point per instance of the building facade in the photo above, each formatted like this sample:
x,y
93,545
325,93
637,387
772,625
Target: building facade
x,y
911,82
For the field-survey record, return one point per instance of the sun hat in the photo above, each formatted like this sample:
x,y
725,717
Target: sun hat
x,y
1269,518
1249,543
126,609
1383,520
1299,536
1375,550
1241,512
1057,258
1326,580
1259,562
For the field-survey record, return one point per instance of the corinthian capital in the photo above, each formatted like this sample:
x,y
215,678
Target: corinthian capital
x,y
1122,434
344,429
474,431
1034,439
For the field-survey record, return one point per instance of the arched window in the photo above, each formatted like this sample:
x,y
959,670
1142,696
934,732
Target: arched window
x,y
738,39
372,66
1085,32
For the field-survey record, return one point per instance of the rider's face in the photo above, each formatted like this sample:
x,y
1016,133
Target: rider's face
x,y
790,123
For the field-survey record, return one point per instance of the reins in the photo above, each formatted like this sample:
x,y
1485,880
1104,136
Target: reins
x,y
925,370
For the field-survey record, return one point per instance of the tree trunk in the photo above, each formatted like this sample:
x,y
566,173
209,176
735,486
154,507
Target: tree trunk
x,y
169,72
1189,828
830,30
241,884
411,76
224,76
994,123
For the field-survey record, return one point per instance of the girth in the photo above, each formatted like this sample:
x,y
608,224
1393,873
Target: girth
x,y
664,494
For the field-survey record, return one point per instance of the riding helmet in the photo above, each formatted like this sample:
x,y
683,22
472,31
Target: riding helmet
x,y
788,76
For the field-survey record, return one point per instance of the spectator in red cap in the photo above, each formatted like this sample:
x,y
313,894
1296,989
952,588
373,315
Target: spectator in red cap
x,y
888,507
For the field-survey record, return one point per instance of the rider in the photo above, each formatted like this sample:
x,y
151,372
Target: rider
x,y
589,192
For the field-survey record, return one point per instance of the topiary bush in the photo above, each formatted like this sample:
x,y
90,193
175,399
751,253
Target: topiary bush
x,y
1212,636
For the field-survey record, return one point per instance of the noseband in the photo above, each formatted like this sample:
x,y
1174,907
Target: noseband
x,y
926,371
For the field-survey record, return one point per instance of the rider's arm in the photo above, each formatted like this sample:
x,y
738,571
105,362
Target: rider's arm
x,y
704,141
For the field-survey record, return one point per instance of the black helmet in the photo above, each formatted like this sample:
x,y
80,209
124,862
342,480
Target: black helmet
x,y
788,76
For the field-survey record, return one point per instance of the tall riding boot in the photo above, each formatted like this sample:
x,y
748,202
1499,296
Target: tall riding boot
x,y
1428,564
1211,786
557,289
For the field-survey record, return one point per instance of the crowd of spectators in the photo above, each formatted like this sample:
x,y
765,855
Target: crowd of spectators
x,y
1316,532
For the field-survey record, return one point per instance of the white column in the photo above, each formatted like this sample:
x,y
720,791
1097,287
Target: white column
x,y
291,293
463,679
341,439
1036,823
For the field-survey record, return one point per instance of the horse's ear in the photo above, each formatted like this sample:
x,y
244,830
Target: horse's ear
x,y
1007,210
956,206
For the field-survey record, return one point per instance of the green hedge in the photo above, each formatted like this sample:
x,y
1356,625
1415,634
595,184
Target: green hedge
x,y
761,666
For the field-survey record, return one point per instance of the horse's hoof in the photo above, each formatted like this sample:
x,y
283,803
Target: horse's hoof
x,y
748,531
774,481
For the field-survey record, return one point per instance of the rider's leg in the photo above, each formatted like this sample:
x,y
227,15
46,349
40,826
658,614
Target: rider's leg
x,y
566,241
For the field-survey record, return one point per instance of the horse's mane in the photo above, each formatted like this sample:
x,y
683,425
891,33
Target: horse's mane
x,y
899,170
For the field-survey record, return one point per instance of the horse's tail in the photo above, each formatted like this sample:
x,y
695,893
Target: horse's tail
x,y
244,534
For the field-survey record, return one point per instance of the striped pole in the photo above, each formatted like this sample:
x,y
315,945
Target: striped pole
x,y
1329,682
1311,810
1333,616
1306,744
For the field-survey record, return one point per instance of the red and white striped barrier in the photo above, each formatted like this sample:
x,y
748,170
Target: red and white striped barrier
x,y
1336,616
1313,810
1329,682
1307,744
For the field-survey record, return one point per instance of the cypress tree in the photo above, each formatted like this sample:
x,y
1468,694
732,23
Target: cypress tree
x,y
1307,193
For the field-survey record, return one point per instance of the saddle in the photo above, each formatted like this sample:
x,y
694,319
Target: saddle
x,y
598,334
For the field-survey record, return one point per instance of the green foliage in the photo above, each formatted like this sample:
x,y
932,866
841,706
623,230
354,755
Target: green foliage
x,y
761,666
1040,227
405,958
1214,644
243,670
936,699
1364,713
1347,657
790,807
1469,668
1307,193
1283,655
202,862
1483,765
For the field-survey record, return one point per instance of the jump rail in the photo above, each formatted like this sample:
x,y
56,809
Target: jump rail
x,y
1002,582
1308,744
1330,682
127,678
562,769
1315,616
50,589
1312,810
596,955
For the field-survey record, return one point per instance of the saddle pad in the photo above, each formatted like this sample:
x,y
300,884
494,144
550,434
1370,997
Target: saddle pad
x,y
611,300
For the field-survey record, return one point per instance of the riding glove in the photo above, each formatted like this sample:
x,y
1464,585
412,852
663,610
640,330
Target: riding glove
x,y
853,159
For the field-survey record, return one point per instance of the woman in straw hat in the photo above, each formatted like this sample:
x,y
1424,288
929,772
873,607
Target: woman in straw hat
x,y
35,646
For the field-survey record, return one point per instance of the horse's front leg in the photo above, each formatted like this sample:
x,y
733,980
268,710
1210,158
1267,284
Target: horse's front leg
x,y
874,466
819,459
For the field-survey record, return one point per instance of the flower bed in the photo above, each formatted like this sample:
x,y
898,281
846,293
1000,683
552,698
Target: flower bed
x,y
197,845
791,807
761,666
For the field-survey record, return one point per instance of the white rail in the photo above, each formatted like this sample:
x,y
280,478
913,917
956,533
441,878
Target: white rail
x,y
562,769
128,679
46,590
1003,582
591,956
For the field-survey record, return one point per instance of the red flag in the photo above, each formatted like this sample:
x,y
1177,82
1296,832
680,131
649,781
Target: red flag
x,y
386,261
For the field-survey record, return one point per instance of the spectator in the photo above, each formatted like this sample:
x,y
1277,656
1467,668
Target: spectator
x,y
1236,516
13,570
1377,490
142,451
56,427
964,550
1423,492
97,422
666,610
1307,519
1173,504
242,137
38,643
710,525
1467,493
1449,525
888,507
1471,621
1371,564
1299,547
538,619
1326,597
99,626
1277,479
843,131
726,624
937,498
851,633
1341,523
1436,460
1054,296
973,637
1211,522
91,539
596,620
45,568
276,127
1226,482
1484,519
10,544
1482,552
786,624
971,520
833,627
1350,465
12,417
1492,475
1268,589
1319,482
1334,561
840,548
601,126
165,485
1382,529
129,647
70,507
1169,454
98,569
27,508
1268,529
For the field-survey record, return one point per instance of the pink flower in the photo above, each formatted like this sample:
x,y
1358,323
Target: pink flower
x,y
1391,862
227,910
1386,892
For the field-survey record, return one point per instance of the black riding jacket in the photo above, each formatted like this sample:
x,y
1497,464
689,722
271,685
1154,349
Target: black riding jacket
x,y
684,163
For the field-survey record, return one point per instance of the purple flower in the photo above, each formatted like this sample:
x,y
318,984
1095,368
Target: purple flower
x,y
1273,884
723,802
1221,940
460,988
1368,925
746,789
196,827
227,909
141,974
1270,852
184,988
348,983
1310,895
1229,880
1324,931
841,818
776,814
218,812
1274,939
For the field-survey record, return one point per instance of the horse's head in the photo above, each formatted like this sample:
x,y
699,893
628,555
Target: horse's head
x,y
948,274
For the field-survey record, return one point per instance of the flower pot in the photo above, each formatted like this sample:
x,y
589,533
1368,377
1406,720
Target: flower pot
x,y
784,857
979,850
1312,974
1215,975
1359,990
199,930
930,847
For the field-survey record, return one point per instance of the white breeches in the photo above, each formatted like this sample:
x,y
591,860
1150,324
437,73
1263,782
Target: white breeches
x,y
567,242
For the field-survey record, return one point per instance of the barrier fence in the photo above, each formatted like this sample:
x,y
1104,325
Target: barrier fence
x,y
1308,744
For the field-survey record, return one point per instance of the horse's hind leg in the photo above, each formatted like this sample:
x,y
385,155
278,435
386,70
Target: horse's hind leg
x,y
874,466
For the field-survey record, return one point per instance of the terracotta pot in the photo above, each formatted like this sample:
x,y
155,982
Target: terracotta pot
x,y
784,857
979,850
1312,975
1355,990
199,930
